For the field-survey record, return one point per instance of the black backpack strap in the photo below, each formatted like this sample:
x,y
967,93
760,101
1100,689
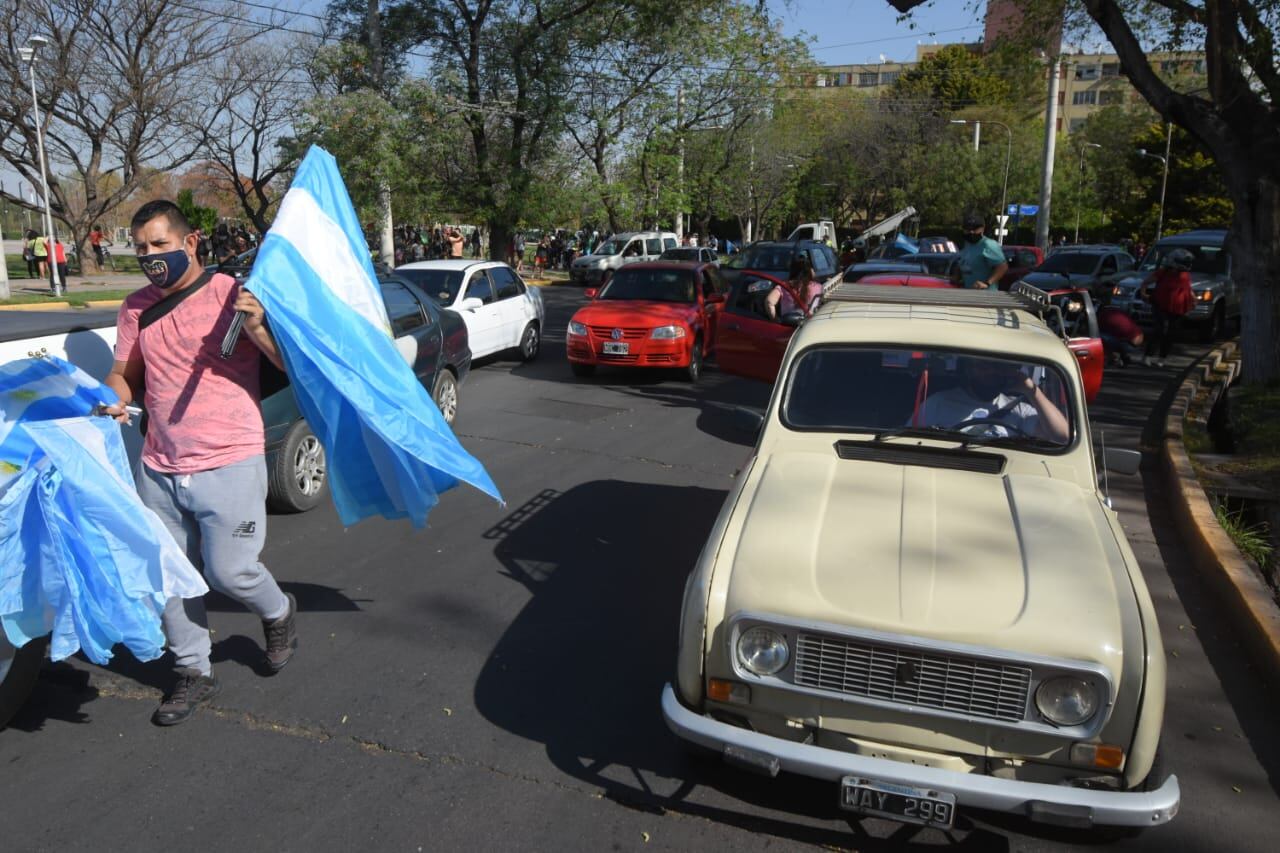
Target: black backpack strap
x,y
172,301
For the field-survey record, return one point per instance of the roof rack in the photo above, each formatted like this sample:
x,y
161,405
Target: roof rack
x,y
1020,297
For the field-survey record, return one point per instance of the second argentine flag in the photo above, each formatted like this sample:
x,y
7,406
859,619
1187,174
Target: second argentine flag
x,y
389,451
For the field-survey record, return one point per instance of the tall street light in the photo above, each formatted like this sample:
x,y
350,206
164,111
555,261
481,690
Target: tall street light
x,y
1164,179
1008,158
1080,185
28,55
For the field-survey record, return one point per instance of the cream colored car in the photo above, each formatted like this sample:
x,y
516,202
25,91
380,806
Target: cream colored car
x,y
917,589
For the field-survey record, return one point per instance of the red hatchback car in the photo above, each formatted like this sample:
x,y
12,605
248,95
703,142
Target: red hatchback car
x,y
658,314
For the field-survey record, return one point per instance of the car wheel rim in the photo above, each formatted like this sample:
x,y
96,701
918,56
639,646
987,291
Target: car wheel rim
x,y
530,342
448,400
308,466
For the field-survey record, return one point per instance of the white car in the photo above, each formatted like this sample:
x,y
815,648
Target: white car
x,y
501,312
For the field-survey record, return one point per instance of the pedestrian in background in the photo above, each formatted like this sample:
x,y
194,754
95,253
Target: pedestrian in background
x,y
29,254
982,261
40,251
1171,300
203,469
455,243
59,258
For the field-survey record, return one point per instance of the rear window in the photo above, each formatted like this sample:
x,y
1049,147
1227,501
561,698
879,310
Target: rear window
x,y
768,259
1208,260
440,285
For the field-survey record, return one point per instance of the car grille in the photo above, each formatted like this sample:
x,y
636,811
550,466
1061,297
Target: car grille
x,y
614,358
944,682
606,332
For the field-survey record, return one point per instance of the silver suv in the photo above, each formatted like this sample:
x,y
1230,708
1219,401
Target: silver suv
x,y
1217,305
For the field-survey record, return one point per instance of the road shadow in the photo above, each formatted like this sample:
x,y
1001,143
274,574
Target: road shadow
x,y
581,669
60,694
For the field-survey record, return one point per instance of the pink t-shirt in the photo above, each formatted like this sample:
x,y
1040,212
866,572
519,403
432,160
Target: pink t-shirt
x,y
202,409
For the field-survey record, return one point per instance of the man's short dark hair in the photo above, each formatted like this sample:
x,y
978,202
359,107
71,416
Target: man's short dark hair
x,y
161,207
972,220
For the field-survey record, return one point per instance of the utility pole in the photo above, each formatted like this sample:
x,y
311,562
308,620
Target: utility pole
x,y
1164,179
373,28
1050,142
680,163
977,135
4,261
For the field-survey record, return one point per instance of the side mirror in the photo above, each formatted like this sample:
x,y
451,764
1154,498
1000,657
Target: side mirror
x,y
591,292
1120,461
470,304
748,420
793,318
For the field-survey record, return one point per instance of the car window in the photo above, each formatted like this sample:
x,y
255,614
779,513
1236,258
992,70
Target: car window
x,y
1125,262
506,282
930,393
1207,260
769,259
403,308
717,281
660,285
479,287
653,246
832,263
1076,263
634,249
440,285
1108,265
748,298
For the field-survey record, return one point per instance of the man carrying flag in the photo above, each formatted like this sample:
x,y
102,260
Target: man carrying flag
x,y
203,469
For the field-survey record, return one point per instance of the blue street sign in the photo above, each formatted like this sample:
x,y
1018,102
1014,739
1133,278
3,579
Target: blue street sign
x,y
1024,209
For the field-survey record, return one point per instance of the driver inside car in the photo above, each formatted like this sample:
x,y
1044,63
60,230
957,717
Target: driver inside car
x,y
995,399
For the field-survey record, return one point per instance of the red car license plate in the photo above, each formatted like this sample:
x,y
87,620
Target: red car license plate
x,y
898,802
611,348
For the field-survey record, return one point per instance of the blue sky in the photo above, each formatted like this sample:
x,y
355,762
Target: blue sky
x,y
851,31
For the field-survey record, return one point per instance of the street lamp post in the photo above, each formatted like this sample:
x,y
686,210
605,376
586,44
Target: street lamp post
x,y
1164,179
28,55
1008,158
1080,185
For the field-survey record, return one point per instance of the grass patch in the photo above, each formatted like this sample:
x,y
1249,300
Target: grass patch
x,y
1252,539
76,300
1255,418
126,263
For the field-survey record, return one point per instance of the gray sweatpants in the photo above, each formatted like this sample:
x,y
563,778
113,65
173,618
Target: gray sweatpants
x,y
219,518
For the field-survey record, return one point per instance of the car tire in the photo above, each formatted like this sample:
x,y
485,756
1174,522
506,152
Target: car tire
x,y
1214,329
694,370
530,343
445,394
582,370
19,669
298,479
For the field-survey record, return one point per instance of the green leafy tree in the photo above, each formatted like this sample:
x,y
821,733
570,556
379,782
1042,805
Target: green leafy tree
x,y
204,218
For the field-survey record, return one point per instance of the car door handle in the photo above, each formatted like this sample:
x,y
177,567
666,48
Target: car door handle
x,y
1081,353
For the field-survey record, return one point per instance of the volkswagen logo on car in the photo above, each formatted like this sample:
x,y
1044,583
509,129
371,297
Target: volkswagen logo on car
x,y
616,334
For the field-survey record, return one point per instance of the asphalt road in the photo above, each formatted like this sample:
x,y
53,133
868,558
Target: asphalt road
x,y
492,681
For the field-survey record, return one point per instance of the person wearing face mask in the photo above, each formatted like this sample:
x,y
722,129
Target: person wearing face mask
x,y
982,262
203,468
1000,395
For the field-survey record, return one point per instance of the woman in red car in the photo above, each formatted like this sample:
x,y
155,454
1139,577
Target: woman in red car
x,y
800,283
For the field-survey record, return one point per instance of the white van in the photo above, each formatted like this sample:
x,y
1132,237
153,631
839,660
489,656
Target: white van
x,y
594,269
823,231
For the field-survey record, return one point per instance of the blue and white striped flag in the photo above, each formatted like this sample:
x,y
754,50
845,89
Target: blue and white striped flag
x,y
80,556
389,451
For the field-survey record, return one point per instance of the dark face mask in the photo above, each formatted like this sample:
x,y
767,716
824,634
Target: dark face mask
x,y
972,238
165,268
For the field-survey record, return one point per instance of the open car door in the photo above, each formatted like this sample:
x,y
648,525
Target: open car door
x,y
748,343
1083,338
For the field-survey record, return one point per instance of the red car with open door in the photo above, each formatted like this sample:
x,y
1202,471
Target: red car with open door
x,y
1080,319
649,314
749,343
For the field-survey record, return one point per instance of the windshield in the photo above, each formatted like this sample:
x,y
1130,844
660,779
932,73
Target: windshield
x,y
1075,263
440,285
610,247
655,284
974,399
679,255
1208,260
768,259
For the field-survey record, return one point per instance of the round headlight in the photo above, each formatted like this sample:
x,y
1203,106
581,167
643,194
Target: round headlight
x,y
762,651
1067,700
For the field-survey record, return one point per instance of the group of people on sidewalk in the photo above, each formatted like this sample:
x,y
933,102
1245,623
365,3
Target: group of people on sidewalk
x,y
413,243
36,254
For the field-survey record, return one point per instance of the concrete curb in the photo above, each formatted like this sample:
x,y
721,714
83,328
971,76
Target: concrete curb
x,y
1212,552
60,305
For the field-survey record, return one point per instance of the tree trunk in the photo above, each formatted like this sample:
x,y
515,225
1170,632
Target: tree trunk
x,y
500,234
1255,267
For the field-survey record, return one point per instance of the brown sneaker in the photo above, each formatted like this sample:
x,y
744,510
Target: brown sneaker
x,y
282,639
189,692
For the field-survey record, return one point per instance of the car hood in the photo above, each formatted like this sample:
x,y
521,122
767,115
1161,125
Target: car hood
x,y
637,312
1199,280
589,260
1012,562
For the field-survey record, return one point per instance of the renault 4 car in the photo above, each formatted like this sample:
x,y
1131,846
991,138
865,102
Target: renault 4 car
x,y
916,589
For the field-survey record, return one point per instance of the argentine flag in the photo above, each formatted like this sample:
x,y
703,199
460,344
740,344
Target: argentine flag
x,y
389,451
80,556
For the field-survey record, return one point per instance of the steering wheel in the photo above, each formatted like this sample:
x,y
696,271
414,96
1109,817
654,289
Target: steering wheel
x,y
968,422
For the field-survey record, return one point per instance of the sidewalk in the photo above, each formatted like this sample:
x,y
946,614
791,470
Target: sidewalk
x,y
77,284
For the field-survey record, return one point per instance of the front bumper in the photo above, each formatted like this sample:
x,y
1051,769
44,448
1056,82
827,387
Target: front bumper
x,y
663,352
1057,804
585,276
